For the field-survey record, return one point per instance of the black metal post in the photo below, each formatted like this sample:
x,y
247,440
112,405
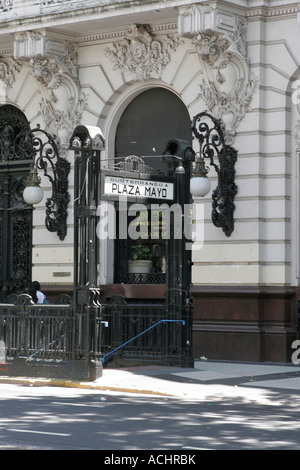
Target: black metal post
x,y
184,266
87,149
179,257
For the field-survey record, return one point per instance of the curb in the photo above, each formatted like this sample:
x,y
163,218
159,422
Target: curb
x,y
41,382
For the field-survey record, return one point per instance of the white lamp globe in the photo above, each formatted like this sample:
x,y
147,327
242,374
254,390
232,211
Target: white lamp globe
x,y
199,186
33,194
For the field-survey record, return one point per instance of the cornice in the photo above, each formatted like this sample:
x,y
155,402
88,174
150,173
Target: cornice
x,y
113,35
272,13
6,50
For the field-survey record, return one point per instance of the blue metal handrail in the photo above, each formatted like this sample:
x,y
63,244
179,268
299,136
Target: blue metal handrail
x,y
103,359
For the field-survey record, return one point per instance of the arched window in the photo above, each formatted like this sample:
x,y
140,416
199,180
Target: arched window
x,y
152,119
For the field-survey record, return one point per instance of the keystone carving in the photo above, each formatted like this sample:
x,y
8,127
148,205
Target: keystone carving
x,y
142,56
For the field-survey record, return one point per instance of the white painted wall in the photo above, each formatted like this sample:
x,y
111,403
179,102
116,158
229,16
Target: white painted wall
x,y
264,247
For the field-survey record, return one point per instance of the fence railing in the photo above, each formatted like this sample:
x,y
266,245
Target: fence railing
x,y
138,330
58,332
41,332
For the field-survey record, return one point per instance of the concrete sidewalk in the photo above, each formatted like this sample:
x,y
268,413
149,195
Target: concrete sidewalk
x,y
208,380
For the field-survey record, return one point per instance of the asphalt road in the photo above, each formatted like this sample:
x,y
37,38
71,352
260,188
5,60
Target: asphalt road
x,y
54,418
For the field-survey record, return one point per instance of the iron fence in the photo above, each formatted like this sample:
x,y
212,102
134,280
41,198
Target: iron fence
x,y
41,332
137,331
100,333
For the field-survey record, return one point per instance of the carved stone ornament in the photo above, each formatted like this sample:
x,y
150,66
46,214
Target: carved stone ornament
x,y
227,86
8,70
53,63
142,56
6,5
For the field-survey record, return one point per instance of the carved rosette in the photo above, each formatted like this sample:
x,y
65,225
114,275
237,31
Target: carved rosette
x,y
142,56
227,86
53,63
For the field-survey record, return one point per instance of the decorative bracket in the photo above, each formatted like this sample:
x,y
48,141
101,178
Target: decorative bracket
x,y
212,144
227,87
46,155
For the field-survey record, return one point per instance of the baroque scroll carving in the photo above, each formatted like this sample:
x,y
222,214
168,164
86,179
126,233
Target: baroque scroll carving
x,y
227,86
53,63
142,56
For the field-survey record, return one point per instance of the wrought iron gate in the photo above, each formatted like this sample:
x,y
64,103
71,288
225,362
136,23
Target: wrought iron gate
x,y
15,214
141,332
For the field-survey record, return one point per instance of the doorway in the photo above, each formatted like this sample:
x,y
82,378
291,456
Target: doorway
x,y
149,122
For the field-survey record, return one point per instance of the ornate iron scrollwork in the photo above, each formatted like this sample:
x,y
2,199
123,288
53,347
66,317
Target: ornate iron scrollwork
x,y
42,145
13,129
212,145
20,215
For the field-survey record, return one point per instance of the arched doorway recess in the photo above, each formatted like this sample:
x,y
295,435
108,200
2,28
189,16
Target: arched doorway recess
x,y
149,122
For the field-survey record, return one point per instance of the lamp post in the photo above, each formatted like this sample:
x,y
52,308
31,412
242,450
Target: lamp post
x,y
192,183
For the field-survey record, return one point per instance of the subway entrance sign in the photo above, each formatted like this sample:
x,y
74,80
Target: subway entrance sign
x,y
118,186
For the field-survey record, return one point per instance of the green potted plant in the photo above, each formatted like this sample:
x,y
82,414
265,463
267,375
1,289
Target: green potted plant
x,y
141,259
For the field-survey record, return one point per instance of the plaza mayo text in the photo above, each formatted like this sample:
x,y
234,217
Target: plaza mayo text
x,y
118,186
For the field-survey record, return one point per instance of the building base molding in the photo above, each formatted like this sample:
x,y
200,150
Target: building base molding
x,y
255,324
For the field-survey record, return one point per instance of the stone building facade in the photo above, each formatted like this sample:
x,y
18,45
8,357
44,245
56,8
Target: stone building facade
x,y
70,62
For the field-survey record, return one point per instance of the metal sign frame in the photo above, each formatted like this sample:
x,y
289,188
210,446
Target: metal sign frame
x,y
156,186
